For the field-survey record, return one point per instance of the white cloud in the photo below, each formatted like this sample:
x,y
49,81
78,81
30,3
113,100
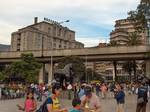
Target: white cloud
x,y
18,13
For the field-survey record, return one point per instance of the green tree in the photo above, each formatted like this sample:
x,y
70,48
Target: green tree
x,y
77,64
92,75
133,39
113,43
27,68
139,16
2,76
130,66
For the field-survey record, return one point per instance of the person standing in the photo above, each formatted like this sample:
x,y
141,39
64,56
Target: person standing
x,y
104,90
69,88
120,98
52,103
142,98
81,91
30,103
97,87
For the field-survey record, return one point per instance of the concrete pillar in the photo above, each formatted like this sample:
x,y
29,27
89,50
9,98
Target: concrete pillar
x,y
113,70
148,68
41,76
49,70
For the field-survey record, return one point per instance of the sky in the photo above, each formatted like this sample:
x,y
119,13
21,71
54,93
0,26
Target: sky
x,y
92,20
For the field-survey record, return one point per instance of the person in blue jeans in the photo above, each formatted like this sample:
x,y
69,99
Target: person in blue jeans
x,y
76,103
120,98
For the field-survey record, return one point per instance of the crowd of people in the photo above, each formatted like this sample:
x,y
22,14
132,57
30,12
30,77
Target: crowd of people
x,y
85,97
12,91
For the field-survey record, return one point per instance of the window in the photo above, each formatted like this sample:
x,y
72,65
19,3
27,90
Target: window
x,y
65,32
59,32
18,39
54,45
49,30
54,30
59,46
18,49
54,40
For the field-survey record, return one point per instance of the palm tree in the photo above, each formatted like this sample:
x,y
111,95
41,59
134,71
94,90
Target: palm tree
x,y
113,43
145,1
139,16
129,66
133,39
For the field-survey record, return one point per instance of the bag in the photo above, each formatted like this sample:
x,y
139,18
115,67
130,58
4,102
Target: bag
x,y
43,107
140,100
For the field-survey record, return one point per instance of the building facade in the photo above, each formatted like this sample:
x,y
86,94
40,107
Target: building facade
x,y
44,36
122,29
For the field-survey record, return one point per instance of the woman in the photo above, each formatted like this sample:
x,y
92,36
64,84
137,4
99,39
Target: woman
x,y
52,102
30,103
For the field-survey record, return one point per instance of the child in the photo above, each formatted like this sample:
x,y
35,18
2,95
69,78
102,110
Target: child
x,y
76,103
30,103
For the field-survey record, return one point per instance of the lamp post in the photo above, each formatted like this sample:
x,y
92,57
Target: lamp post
x,y
43,69
86,77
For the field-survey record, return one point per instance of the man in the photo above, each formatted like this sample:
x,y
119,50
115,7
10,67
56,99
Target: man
x,y
69,88
90,101
97,89
142,98
120,98
81,91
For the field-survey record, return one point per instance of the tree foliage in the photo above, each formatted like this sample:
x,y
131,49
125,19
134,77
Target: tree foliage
x,y
133,39
129,67
139,16
113,43
77,64
92,75
27,68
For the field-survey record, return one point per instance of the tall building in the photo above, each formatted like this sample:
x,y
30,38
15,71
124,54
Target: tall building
x,y
122,29
44,35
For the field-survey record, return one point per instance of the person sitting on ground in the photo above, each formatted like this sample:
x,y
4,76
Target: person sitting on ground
x,y
76,103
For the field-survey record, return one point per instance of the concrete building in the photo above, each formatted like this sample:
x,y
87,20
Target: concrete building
x,y
44,35
122,29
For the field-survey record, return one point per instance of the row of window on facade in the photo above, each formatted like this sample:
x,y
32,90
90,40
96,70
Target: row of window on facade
x,y
60,32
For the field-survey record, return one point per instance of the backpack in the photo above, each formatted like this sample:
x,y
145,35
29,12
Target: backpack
x,y
142,95
43,107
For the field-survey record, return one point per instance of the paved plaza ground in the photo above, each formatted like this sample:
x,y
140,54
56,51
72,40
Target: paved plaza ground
x,y
108,105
